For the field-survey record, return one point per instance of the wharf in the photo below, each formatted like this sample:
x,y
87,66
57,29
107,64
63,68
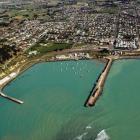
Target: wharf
x,y
11,98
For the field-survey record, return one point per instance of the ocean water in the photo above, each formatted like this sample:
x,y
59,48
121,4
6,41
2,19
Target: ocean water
x,y
121,101
54,94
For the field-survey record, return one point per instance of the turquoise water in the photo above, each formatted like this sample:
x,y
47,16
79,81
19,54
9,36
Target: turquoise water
x,y
54,94
121,101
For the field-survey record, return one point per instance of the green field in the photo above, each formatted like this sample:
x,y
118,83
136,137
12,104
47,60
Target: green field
x,y
49,47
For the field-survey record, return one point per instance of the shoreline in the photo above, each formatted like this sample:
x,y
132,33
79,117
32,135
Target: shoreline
x,y
27,66
9,78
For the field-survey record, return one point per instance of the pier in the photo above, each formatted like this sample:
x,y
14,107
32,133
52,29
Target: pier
x,y
98,86
11,98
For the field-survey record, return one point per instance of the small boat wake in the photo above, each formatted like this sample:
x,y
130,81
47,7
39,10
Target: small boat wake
x,y
88,127
102,135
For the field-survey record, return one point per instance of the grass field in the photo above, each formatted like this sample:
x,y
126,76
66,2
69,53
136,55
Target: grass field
x,y
49,47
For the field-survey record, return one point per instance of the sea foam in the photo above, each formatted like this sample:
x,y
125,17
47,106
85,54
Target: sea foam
x,y
102,135
80,137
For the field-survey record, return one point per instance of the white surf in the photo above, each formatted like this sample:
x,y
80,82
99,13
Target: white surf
x,y
102,135
80,137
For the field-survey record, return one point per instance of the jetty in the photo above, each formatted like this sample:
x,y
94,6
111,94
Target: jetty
x,y
11,98
98,86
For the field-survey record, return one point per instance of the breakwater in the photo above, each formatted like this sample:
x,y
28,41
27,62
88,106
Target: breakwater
x,y
98,86
11,98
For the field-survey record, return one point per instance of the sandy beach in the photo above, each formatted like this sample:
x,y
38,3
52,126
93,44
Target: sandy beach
x,y
8,78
